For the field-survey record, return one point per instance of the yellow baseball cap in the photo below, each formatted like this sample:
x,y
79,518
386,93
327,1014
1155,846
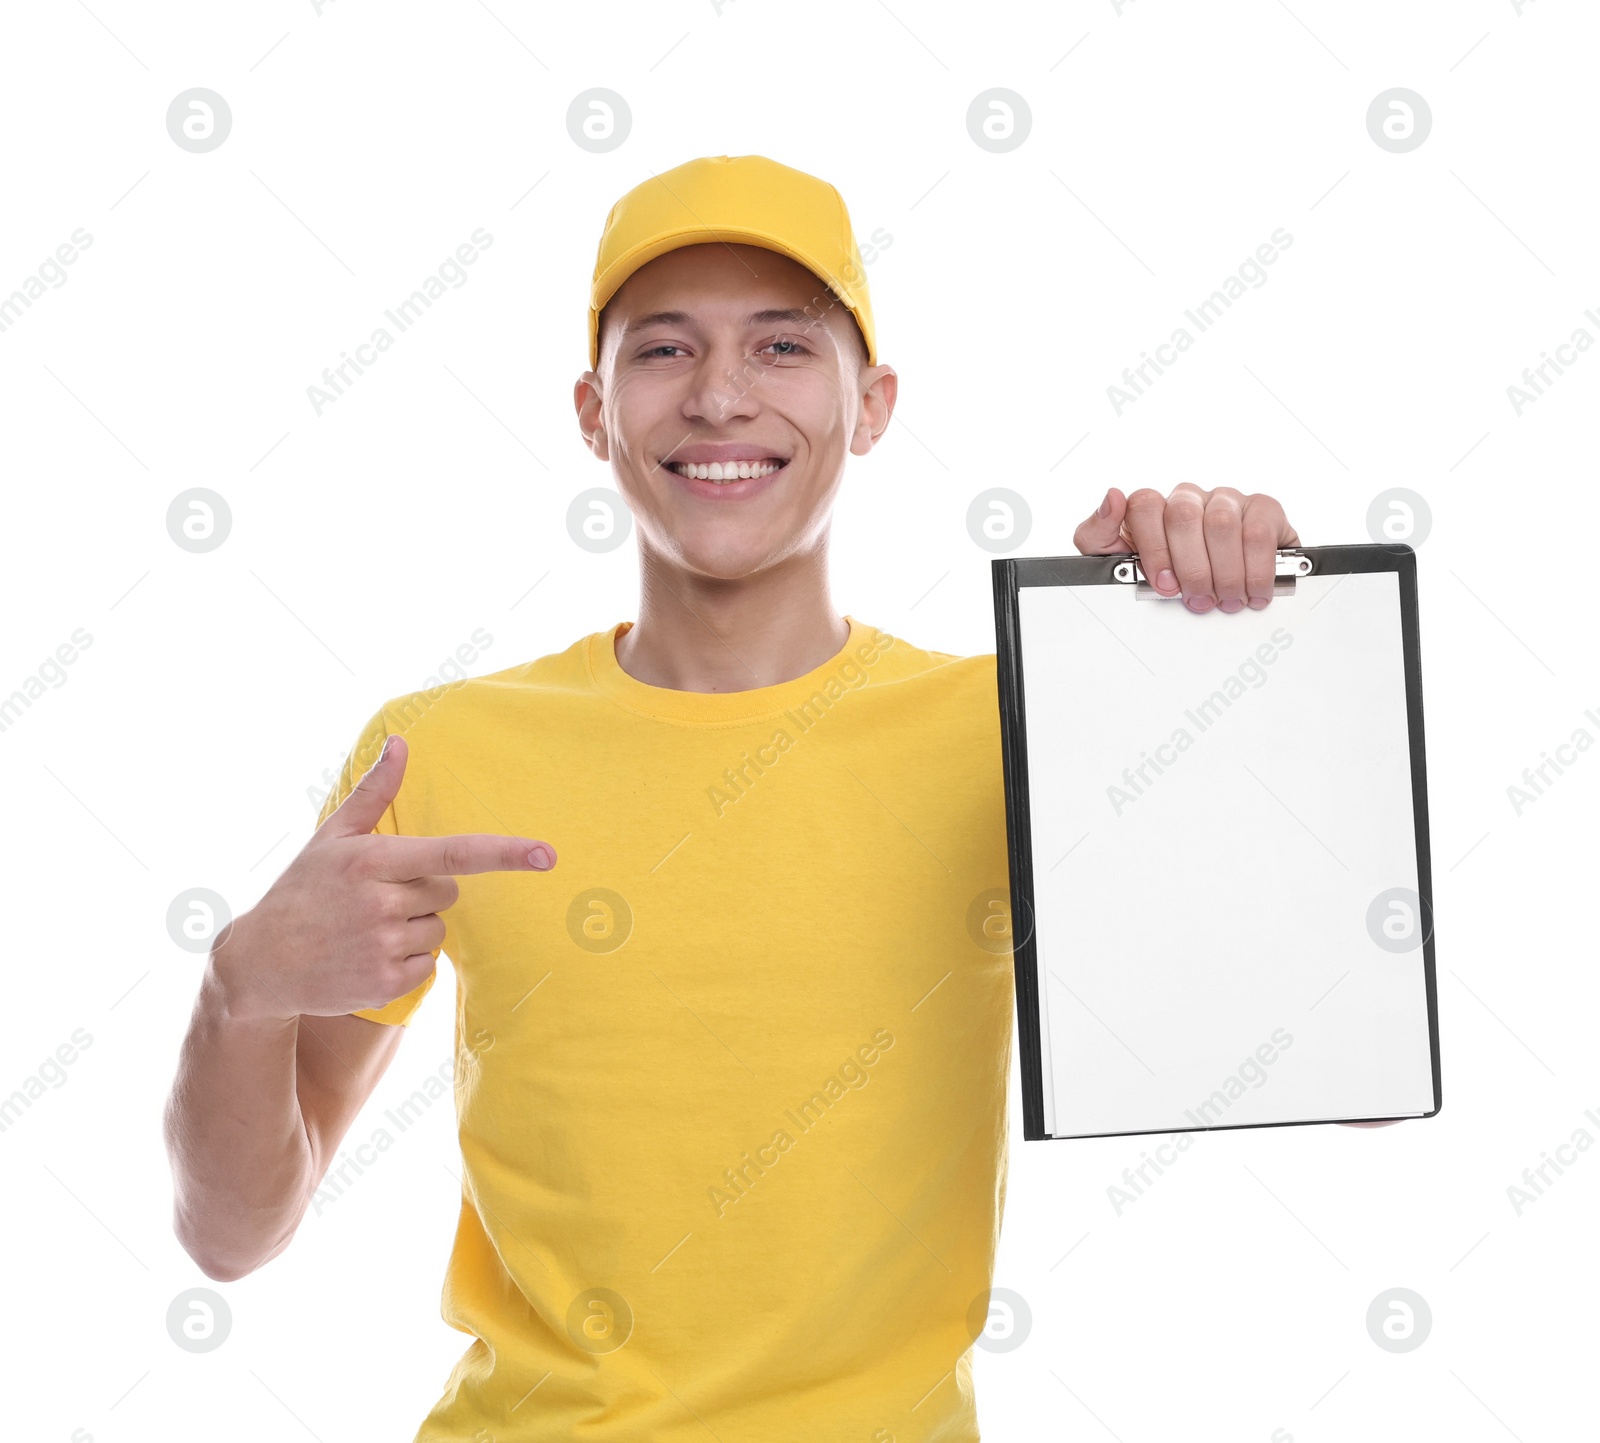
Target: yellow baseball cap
x,y
740,198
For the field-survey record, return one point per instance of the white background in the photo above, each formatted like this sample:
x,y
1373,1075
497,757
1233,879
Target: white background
x,y
1167,143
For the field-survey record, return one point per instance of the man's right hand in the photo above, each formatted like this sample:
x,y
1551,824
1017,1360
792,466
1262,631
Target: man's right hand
x,y
353,920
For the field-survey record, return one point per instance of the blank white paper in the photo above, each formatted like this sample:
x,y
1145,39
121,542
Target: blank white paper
x,y
1217,803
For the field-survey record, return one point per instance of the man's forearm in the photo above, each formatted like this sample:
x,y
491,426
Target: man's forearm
x,y
241,1160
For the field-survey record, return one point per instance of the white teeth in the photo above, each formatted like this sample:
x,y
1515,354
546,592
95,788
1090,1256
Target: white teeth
x,y
725,471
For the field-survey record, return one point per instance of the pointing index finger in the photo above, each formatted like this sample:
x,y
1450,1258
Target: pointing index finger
x,y
405,859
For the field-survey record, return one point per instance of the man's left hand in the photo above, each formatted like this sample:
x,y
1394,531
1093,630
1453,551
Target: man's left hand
x,y
1217,548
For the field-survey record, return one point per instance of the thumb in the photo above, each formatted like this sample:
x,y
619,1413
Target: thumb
x,y
1101,534
358,814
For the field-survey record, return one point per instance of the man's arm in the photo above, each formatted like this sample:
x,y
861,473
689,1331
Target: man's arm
x,y
274,1067
257,1112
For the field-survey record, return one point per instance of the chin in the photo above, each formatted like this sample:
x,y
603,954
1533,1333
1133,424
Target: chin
x,y
725,554
734,562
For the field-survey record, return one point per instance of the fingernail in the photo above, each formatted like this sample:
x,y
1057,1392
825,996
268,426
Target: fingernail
x,y
385,751
1105,506
1230,606
1198,603
1257,603
1166,579
539,858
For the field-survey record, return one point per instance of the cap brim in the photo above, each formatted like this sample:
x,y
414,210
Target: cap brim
x,y
610,281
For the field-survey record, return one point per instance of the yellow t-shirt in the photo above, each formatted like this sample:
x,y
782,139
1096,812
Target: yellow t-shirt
x,y
731,1080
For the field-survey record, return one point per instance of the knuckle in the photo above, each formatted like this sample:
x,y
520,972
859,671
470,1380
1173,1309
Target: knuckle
x,y
379,916
376,903
1185,505
1256,527
361,857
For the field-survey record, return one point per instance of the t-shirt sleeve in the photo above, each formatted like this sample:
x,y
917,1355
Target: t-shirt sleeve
x,y
362,755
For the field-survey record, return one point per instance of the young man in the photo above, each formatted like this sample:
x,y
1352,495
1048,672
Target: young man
x,y
731,1078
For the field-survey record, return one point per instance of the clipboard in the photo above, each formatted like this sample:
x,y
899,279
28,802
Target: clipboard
x,y
1217,826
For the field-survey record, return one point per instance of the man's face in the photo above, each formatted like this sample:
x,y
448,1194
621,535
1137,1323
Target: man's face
x,y
737,357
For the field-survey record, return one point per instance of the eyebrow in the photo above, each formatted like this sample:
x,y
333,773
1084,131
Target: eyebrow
x,y
755,318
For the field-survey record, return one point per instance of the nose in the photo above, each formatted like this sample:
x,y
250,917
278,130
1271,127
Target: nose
x,y
722,384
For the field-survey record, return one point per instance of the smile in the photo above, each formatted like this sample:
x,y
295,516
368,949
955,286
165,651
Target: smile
x,y
725,471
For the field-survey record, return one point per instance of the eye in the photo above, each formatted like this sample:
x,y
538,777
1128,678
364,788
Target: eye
x,y
657,350
793,347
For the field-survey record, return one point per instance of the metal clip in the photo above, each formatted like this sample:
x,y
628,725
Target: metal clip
x,y
1291,564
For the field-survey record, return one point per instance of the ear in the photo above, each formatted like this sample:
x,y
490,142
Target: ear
x,y
880,387
586,401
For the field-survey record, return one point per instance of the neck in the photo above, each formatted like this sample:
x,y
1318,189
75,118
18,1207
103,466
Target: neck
x,y
698,633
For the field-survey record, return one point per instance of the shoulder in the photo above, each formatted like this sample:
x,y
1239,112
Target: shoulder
x,y
907,660
451,701
940,681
